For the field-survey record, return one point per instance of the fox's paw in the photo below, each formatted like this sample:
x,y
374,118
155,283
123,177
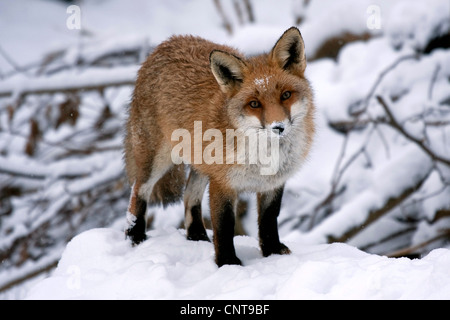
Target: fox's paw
x,y
198,236
134,236
275,249
228,260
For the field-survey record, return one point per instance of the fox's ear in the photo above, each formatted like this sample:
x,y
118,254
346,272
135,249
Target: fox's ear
x,y
227,69
289,51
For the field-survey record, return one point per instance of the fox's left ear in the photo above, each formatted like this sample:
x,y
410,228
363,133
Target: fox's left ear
x,y
289,52
228,70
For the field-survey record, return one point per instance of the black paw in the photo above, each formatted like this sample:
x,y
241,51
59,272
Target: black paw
x,y
194,236
136,230
196,231
220,261
136,237
279,248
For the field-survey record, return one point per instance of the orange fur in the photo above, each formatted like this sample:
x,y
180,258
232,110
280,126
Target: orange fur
x,y
188,79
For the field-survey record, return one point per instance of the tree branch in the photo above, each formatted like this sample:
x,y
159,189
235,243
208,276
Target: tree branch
x,y
394,123
225,20
380,210
69,88
28,276
380,77
414,249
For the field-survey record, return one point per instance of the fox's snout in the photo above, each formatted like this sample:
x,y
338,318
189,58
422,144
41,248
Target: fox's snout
x,y
278,127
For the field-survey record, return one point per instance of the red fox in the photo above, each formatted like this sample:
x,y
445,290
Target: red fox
x,y
187,81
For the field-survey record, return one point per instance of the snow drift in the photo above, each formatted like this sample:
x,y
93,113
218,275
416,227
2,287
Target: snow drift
x,y
378,177
101,264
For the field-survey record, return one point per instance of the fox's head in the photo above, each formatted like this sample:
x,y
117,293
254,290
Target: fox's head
x,y
269,91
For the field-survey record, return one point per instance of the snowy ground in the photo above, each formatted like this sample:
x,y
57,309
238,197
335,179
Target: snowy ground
x,y
101,264
367,167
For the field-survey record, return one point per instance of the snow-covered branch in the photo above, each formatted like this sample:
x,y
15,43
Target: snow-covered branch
x,y
394,123
378,176
96,79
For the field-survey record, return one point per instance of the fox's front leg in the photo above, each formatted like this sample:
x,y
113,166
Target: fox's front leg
x,y
136,216
269,204
222,204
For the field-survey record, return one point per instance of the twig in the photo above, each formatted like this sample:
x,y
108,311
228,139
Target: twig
x,y
433,81
8,58
238,10
337,175
380,78
380,210
334,182
248,7
414,249
28,276
226,22
387,239
394,123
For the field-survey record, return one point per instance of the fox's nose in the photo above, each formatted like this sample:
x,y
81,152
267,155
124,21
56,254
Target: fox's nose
x,y
278,128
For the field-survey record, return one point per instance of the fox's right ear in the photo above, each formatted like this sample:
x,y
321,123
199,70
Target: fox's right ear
x,y
227,69
289,51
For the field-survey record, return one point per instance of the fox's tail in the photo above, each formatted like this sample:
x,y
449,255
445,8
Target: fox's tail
x,y
170,188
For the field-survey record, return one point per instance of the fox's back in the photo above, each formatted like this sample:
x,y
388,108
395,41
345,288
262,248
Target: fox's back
x,y
176,79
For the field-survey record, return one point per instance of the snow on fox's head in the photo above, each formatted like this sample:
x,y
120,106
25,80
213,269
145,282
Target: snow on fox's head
x,y
267,91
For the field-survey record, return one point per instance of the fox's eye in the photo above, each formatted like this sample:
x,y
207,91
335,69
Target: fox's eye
x,y
254,104
286,95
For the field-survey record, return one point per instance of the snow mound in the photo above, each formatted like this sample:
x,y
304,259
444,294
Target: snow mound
x,y
101,264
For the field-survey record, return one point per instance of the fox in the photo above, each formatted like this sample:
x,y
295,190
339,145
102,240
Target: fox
x,y
188,80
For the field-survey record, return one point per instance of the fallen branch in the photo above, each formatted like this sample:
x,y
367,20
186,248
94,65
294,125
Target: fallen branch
x,y
390,188
10,284
377,242
378,212
33,170
88,81
416,248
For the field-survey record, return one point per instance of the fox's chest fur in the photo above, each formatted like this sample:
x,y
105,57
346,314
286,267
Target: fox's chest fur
x,y
292,149
248,178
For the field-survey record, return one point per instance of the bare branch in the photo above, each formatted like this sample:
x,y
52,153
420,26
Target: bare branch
x,y
394,123
8,58
380,210
248,7
433,81
380,78
379,241
226,21
416,248
337,175
28,276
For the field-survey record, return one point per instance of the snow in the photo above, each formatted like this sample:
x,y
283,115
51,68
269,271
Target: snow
x,y
410,167
23,166
101,264
89,78
429,17
262,83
